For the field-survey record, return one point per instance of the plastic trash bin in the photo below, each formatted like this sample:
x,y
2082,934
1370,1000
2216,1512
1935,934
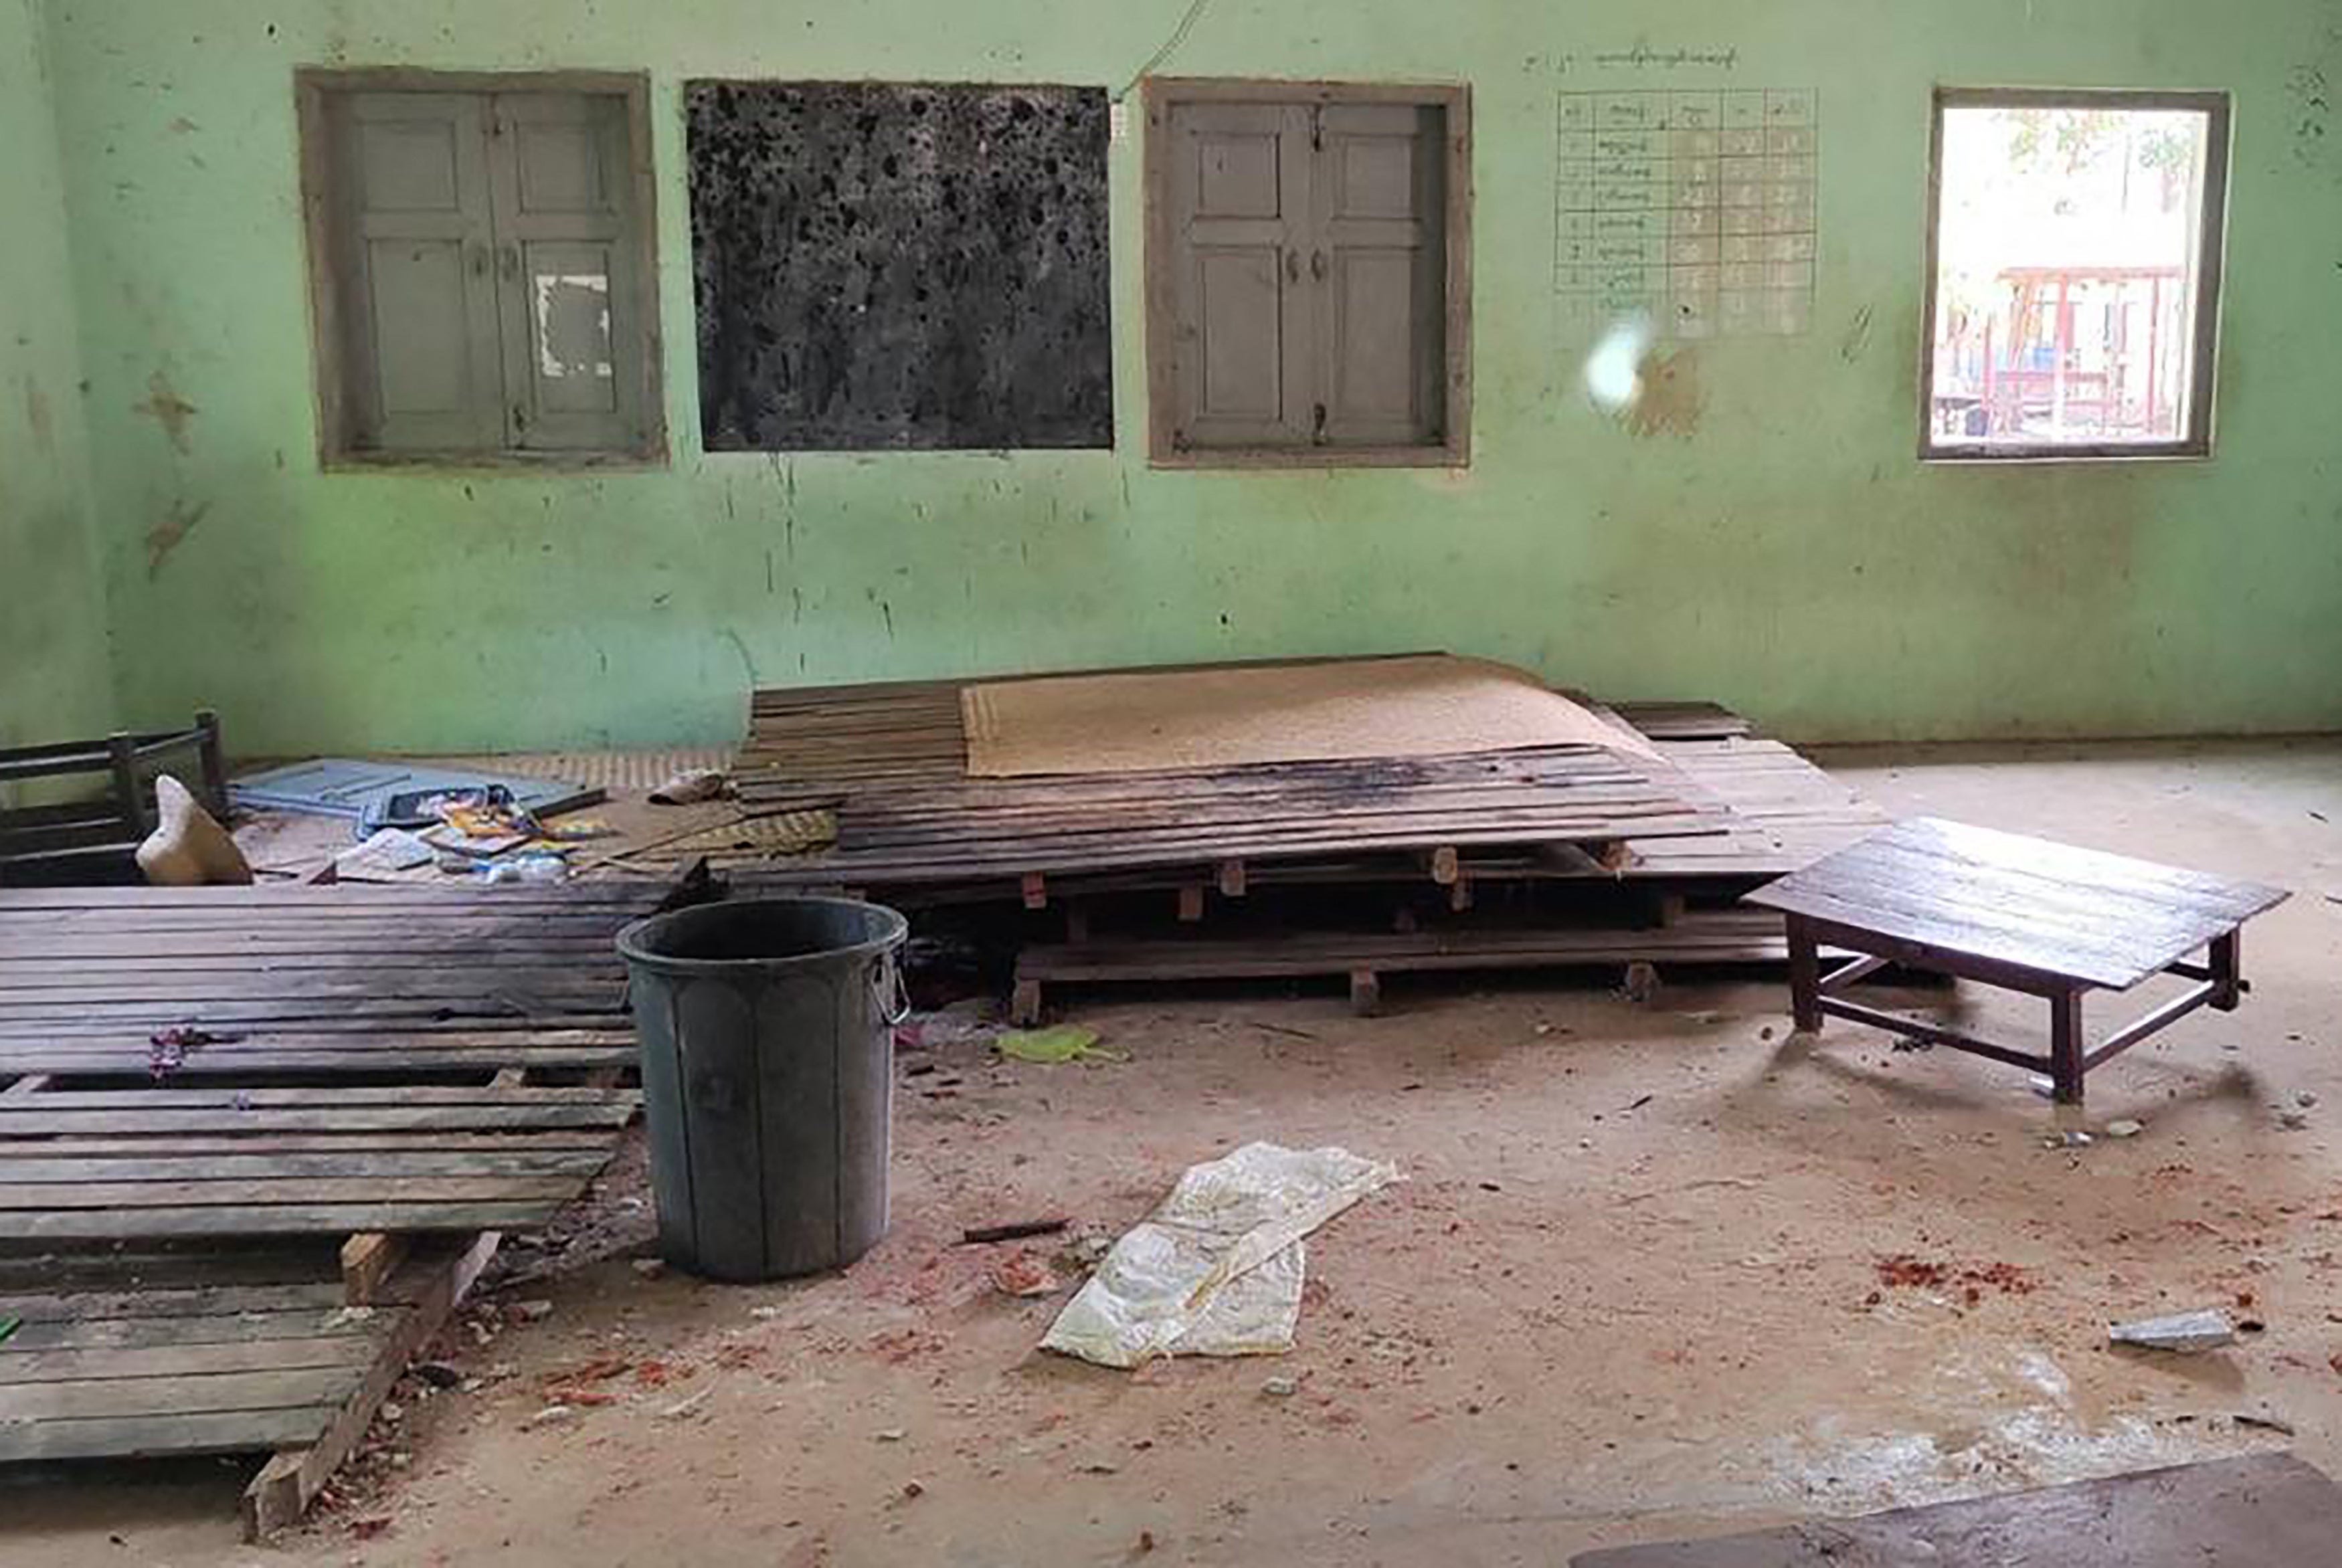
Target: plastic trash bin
x,y
768,1079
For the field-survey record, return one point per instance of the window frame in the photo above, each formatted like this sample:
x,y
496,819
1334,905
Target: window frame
x,y
314,87
1454,100
2211,238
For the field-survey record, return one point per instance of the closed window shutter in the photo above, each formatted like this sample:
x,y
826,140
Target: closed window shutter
x,y
1244,336
421,306
565,283
1376,251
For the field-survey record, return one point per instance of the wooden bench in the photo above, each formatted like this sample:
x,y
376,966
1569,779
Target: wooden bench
x,y
85,839
2023,914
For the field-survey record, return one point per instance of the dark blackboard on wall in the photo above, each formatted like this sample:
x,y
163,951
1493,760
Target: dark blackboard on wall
x,y
887,266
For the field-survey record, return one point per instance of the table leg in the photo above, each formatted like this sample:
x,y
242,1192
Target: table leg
x,y
1804,975
2228,971
2066,1046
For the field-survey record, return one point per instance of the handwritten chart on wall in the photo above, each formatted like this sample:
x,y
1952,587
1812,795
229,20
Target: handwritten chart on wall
x,y
1695,209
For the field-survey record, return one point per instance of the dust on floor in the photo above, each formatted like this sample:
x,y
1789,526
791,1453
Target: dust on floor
x,y
1658,1269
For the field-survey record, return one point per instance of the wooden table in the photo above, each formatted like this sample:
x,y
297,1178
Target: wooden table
x,y
2023,914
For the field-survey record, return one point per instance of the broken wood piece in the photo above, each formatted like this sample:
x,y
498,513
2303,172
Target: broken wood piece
x,y
1024,1004
1366,992
30,1084
367,1260
281,1494
1191,902
1232,878
1036,889
1014,1231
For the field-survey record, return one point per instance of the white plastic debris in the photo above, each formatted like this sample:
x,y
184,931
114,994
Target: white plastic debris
x,y
1216,1269
2187,1332
2125,1129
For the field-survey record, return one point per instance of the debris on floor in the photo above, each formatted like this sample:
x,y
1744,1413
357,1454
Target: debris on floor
x,y
1217,1269
2188,1333
1055,1048
1014,1231
1026,1274
389,794
693,786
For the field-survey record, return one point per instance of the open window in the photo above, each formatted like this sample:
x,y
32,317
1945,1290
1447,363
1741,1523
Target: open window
x,y
2073,265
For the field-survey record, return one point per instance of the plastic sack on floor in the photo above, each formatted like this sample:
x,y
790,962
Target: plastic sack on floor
x,y
1216,1269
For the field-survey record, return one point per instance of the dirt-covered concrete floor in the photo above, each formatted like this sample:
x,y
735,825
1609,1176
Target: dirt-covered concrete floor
x,y
1632,1288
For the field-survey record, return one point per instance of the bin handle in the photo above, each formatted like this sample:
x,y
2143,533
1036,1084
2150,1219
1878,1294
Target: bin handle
x,y
894,997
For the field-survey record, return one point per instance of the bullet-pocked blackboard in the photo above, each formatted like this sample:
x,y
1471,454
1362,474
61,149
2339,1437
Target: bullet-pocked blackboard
x,y
886,265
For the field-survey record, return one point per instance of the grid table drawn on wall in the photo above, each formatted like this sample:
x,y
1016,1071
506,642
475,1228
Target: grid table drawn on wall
x,y
1694,209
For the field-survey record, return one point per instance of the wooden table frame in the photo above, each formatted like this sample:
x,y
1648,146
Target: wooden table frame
x,y
2216,983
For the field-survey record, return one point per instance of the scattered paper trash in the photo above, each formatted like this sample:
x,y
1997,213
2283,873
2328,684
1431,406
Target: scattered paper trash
x,y
1216,1269
391,849
2188,1333
1053,1047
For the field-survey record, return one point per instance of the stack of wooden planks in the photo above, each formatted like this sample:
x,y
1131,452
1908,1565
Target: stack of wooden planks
x,y
893,760
256,1143
1651,840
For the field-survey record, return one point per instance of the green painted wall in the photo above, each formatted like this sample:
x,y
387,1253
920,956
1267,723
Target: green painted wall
x,y
55,683
1789,555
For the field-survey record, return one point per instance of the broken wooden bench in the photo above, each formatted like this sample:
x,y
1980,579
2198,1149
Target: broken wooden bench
x,y
2022,914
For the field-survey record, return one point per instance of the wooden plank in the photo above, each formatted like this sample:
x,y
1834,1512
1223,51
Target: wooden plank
x,y
1699,938
130,1301
88,1399
36,1166
285,1220
522,897
333,1097
184,1359
152,1436
285,1487
330,1140
167,1334
288,1192
33,1121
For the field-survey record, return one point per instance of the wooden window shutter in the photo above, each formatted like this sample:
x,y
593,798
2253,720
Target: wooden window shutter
x,y
1244,339
566,290
417,270
1378,258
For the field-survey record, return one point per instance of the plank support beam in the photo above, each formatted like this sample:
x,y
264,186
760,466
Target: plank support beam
x,y
368,1260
